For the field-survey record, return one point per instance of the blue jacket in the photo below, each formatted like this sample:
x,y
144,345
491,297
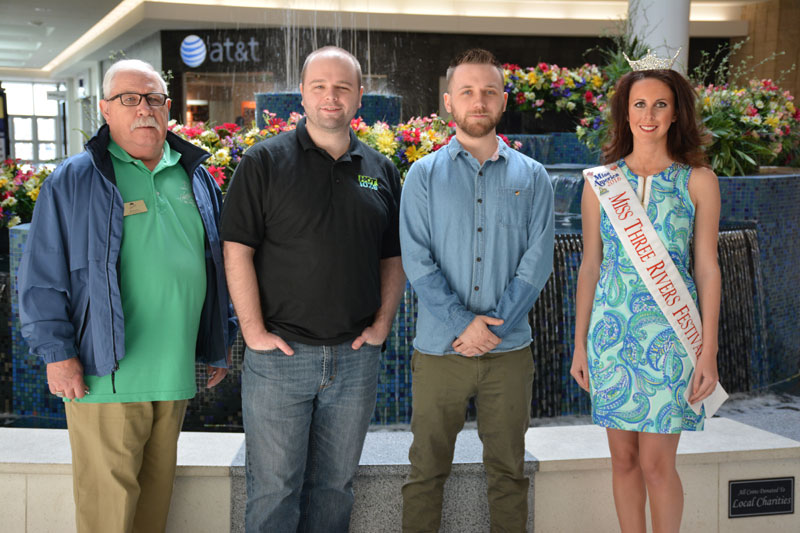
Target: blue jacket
x,y
69,295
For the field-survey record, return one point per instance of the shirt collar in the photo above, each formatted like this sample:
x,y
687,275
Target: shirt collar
x,y
306,143
169,157
454,148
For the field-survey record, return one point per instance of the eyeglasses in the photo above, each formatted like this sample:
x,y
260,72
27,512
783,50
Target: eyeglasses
x,y
134,99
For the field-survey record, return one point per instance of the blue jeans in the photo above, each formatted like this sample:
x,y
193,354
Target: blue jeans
x,y
305,419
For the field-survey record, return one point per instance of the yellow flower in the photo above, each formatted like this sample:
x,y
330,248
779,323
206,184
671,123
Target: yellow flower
x,y
569,82
33,194
249,140
790,107
533,79
412,154
223,157
3,182
385,142
771,121
13,221
9,202
597,81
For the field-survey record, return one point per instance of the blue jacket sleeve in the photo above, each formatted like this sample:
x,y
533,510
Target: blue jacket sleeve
x,y
536,263
420,266
44,279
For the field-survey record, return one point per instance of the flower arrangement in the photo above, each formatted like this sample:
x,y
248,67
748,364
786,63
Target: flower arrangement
x,y
19,189
403,143
750,126
550,87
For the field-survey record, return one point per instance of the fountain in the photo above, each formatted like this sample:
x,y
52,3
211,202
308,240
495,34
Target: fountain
x,y
374,106
743,352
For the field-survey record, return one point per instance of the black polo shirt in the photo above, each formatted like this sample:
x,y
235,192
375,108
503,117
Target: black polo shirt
x,y
320,228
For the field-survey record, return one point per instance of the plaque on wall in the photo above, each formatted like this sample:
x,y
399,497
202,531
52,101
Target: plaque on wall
x,y
759,497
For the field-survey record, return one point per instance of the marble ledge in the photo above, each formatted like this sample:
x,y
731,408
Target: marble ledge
x,y
565,448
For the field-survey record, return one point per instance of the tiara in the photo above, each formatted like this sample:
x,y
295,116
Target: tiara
x,y
652,62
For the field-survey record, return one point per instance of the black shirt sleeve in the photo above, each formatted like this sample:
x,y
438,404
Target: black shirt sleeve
x,y
243,212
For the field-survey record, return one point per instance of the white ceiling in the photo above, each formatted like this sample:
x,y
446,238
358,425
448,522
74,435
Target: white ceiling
x,y
34,32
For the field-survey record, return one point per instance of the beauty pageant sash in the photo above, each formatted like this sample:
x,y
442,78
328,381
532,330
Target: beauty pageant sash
x,y
654,265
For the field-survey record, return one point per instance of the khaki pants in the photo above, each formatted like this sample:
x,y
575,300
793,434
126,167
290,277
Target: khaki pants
x,y
123,464
442,386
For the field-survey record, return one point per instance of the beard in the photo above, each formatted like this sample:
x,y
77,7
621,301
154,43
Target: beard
x,y
477,128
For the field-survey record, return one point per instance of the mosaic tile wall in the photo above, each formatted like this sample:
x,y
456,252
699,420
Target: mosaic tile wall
x,y
32,400
374,107
773,203
742,361
6,366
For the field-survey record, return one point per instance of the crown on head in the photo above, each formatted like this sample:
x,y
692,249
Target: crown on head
x,y
652,62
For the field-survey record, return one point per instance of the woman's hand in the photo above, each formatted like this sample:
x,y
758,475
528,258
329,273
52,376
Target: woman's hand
x,y
580,368
705,376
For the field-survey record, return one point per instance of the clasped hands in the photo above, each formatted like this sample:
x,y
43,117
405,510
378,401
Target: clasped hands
x,y
478,339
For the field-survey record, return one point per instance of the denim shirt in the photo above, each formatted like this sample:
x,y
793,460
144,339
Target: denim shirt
x,y
476,239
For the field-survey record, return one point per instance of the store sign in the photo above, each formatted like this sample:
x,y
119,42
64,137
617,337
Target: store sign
x,y
194,51
759,497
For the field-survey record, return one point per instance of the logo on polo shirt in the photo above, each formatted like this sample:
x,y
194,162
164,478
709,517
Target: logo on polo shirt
x,y
367,182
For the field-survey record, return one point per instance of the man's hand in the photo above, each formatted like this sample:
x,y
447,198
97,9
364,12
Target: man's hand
x,y
374,335
267,341
215,374
65,378
477,339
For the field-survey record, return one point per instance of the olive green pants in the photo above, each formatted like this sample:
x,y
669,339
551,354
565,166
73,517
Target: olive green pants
x,y
123,464
501,384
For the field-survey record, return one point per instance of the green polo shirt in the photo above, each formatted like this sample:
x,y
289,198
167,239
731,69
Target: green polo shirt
x,y
162,282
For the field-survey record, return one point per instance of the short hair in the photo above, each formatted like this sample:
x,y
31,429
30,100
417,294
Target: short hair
x,y
685,136
473,56
331,50
128,65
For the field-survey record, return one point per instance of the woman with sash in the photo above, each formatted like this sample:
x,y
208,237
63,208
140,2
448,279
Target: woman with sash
x,y
638,333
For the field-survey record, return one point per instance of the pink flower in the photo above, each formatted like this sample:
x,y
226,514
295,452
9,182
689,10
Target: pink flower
x,y
218,174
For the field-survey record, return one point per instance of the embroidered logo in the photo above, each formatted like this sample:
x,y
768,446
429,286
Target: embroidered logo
x,y
367,182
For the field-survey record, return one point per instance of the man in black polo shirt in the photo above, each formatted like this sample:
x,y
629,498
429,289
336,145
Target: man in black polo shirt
x,y
312,257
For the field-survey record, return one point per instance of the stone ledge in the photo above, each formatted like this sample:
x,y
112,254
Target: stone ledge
x,y
568,465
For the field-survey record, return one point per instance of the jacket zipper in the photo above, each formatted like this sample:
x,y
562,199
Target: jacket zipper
x,y
84,325
108,289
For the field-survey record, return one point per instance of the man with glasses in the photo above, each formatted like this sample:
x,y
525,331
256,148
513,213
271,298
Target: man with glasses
x,y
122,289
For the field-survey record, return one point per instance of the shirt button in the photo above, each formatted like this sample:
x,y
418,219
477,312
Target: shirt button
x,y
478,260
477,288
480,230
338,180
480,173
480,200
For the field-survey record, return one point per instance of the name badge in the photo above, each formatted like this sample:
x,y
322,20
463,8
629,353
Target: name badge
x,y
134,208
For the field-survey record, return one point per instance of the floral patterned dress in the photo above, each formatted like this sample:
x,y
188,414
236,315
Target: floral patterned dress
x,y
638,368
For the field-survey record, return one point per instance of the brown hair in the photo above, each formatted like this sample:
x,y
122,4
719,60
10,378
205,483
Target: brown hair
x,y
685,136
474,56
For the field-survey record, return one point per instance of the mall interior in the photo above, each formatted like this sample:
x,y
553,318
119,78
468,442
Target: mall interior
x,y
233,68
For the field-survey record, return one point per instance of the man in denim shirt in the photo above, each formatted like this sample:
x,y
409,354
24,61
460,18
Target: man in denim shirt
x,y
476,232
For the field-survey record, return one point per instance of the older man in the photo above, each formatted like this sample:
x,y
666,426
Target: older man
x,y
312,257
121,289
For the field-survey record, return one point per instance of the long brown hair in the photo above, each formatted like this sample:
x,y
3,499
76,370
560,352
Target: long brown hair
x,y
685,136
